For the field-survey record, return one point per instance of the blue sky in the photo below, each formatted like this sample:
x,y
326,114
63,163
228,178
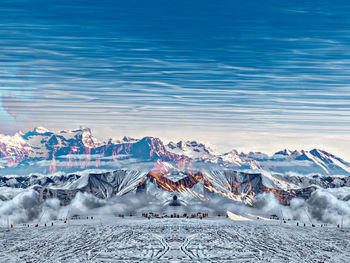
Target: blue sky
x,y
237,74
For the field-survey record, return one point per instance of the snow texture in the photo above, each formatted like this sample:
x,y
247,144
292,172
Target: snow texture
x,y
173,240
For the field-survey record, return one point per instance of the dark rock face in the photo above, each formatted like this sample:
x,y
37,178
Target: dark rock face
x,y
64,195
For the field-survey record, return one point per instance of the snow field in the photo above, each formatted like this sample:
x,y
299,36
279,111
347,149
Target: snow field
x,y
133,239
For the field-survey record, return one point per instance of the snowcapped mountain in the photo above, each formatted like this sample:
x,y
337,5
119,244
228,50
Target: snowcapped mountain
x,y
76,149
67,162
326,161
237,186
286,154
236,160
14,148
41,143
306,162
192,149
125,139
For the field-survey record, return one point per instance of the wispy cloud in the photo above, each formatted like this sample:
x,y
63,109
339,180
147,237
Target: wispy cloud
x,y
278,70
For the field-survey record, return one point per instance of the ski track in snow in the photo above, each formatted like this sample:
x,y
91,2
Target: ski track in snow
x,y
173,240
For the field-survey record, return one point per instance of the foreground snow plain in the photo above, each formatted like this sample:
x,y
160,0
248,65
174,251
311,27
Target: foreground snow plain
x,y
132,239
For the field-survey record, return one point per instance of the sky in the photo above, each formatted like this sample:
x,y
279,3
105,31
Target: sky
x,y
233,74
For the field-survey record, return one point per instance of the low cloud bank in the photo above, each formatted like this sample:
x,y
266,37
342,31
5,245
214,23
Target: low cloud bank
x,y
26,207
324,205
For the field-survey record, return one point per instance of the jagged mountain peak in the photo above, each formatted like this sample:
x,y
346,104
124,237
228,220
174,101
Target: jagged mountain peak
x,y
15,140
129,139
125,139
286,153
41,130
43,144
232,152
324,157
320,152
191,149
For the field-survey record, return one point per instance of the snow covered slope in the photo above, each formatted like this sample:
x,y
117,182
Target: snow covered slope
x,y
237,186
112,239
103,184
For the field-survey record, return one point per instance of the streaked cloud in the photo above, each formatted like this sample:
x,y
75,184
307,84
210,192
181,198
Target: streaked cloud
x,y
282,70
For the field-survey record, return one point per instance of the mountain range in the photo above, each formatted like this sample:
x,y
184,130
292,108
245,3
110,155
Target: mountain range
x,y
79,149
61,164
